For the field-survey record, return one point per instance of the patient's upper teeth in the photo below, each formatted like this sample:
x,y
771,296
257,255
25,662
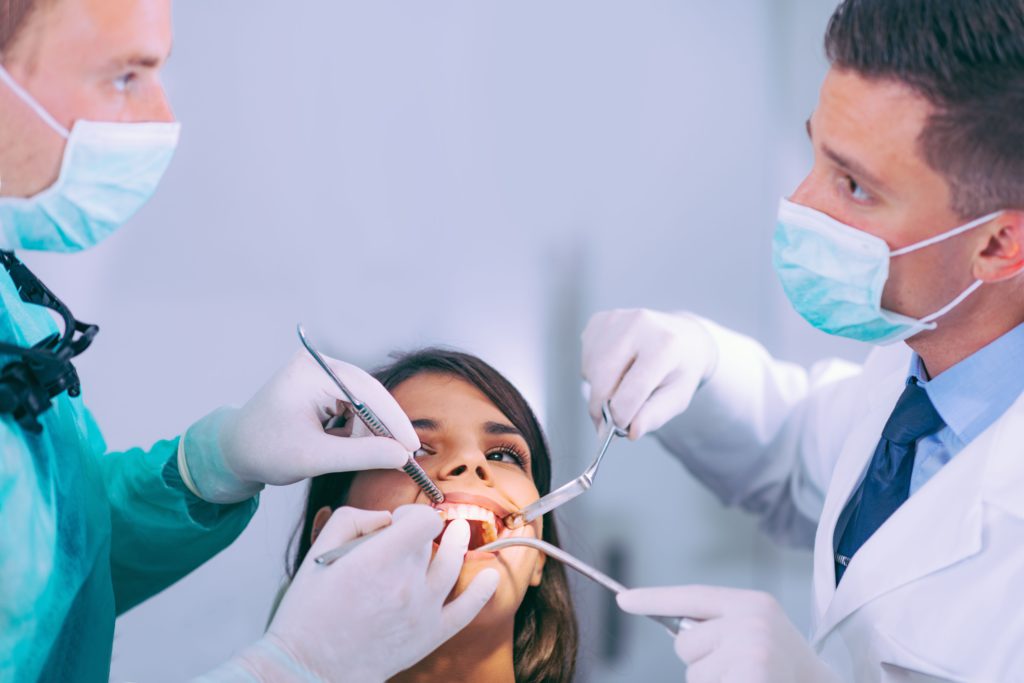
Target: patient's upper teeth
x,y
468,512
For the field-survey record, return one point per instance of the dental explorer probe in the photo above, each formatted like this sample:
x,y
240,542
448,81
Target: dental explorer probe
x,y
373,423
345,548
673,624
563,494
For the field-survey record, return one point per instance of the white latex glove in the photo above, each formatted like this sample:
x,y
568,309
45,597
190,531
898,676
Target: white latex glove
x,y
648,364
744,636
372,613
278,436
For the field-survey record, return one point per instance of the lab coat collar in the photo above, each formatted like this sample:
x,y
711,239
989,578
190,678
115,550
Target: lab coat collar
x,y
938,526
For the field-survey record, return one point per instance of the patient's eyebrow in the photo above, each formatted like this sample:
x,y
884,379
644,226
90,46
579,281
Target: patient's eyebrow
x,y
426,424
499,428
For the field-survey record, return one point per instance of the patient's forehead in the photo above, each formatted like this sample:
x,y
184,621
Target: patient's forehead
x,y
447,399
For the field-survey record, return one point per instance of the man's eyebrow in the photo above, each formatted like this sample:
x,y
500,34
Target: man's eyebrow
x,y
855,169
137,60
849,165
500,428
426,424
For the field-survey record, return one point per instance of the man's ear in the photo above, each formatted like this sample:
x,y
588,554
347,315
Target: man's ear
x,y
319,520
1003,255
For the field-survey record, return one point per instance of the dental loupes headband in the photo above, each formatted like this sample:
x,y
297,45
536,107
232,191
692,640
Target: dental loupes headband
x,y
373,423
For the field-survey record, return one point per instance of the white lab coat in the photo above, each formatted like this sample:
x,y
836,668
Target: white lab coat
x,y
937,593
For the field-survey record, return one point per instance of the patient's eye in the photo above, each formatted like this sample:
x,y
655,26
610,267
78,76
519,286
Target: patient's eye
x,y
422,451
509,454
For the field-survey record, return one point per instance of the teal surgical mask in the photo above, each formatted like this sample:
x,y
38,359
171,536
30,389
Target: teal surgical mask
x,y
834,275
109,170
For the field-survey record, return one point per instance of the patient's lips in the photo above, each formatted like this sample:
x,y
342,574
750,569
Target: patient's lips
x,y
484,515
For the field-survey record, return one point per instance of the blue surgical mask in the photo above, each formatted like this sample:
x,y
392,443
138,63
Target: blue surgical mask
x,y
834,275
109,170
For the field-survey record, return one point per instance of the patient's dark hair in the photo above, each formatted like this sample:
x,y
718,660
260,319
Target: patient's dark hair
x,y
545,624
967,59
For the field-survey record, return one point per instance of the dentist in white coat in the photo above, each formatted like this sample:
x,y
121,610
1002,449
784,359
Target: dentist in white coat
x,y
906,474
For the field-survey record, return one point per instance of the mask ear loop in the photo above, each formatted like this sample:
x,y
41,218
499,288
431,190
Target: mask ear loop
x,y
952,304
27,98
930,319
946,235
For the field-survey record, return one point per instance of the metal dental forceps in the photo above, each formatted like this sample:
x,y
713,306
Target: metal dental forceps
x,y
673,624
567,492
373,423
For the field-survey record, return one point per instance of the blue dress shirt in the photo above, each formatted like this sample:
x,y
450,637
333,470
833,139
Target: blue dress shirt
x,y
969,396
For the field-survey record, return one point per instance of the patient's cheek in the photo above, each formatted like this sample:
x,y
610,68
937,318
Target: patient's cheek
x,y
381,490
516,566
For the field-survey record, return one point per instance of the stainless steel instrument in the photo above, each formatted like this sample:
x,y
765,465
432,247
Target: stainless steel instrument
x,y
566,492
673,624
373,423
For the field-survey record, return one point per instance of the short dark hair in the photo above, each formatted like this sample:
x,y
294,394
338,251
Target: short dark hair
x,y
966,57
13,15
545,642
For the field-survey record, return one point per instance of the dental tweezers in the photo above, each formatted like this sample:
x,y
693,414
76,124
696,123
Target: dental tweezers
x,y
567,492
673,624
373,423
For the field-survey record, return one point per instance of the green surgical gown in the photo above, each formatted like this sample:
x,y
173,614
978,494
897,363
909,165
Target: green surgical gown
x,y
86,534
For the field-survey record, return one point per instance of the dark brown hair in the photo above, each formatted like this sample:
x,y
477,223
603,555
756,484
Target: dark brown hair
x,y
545,624
967,60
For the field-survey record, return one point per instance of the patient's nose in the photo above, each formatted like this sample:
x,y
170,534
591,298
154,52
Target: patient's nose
x,y
466,463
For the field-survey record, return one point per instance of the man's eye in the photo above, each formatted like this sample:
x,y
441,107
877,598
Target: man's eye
x,y
422,451
855,190
122,82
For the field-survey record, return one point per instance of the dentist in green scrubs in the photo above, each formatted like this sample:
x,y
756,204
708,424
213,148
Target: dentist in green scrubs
x,y
86,133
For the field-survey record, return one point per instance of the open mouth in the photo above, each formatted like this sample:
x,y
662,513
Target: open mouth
x,y
484,515
484,525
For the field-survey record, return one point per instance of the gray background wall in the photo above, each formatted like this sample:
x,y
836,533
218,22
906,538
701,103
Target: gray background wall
x,y
478,174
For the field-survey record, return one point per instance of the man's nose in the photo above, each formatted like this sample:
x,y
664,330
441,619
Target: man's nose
x,y
157,107
804,191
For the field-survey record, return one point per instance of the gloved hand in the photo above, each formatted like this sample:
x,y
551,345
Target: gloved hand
x,y
372,613
278,436
745,635
648,364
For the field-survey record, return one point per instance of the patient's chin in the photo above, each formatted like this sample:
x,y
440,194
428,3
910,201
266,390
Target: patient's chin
x,y
514,566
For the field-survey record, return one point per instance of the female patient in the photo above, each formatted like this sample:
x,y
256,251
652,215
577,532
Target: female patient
x,y
484,448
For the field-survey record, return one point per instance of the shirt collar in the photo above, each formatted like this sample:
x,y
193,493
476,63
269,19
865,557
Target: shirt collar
x,y
975,392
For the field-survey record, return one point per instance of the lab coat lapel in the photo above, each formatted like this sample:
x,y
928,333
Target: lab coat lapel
x,y
853,461
1003,486
938,526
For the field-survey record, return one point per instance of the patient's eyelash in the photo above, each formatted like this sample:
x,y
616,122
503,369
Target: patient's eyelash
x,y
514,450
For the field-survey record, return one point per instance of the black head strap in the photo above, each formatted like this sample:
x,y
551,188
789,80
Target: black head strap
x,y
44,370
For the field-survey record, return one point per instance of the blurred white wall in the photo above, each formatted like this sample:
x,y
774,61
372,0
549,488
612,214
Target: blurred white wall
x,y
479,174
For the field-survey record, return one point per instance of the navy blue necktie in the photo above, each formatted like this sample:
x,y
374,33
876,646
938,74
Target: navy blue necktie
x,y
887,482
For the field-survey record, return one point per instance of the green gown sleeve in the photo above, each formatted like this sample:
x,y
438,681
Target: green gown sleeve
x,y
160,531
